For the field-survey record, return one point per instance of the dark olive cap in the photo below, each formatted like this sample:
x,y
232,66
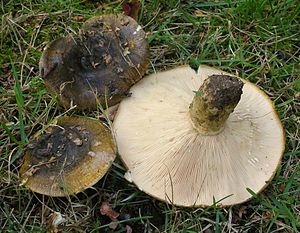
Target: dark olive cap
x,y
72,156
109,55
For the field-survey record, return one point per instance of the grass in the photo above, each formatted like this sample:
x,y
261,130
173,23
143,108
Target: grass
x,y
255,39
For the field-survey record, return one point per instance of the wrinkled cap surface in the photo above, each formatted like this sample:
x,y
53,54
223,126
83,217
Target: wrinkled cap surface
x,y
109,55
70,157
168,159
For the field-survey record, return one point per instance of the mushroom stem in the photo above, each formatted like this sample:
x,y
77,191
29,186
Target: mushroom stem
x,y
213,103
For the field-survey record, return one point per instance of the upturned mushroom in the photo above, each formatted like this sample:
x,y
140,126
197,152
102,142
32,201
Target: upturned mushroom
x,y
72,156
191,138
109,55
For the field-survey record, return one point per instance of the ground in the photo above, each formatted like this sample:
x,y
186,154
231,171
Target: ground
x,y
254,39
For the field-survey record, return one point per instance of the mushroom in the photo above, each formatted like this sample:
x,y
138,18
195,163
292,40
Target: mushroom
x,y
110,54
192,146
72,156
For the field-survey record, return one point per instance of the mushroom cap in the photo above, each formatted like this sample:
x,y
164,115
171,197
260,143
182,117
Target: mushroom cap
x,y
72,156
110,54
170,161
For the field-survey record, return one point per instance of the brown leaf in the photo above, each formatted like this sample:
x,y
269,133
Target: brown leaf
x,y
114,226
269,215
128,229
132,9
106,209
281,188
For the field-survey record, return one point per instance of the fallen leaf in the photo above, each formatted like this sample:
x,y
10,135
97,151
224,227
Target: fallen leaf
x,y
114,226
281,188
106,209
269,215
131,9
128,229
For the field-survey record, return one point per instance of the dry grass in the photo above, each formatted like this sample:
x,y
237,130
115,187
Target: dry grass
x,y
257,40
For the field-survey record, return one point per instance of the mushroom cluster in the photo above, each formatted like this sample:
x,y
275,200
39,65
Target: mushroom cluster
x,y
188,138
191,138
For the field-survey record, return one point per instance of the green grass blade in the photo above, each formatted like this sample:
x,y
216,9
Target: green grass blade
x,y
290,181
214,4
282,209
129,197
20,103
3,125
26,208
217,221
271,223
202,213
